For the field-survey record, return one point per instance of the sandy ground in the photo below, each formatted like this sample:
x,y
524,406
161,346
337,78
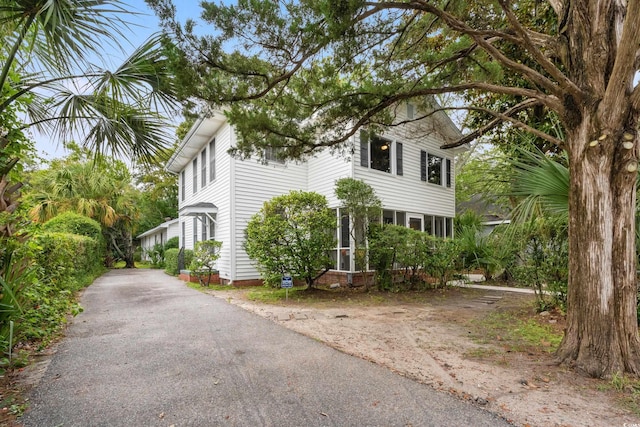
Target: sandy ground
x,y
433,343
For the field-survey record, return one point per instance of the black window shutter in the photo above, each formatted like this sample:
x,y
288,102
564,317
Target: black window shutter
x,y
399,158
423,165
448,163
364,149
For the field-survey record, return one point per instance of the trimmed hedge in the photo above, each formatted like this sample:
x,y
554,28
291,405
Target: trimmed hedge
x,y
71,222
171,260
65,258
172,243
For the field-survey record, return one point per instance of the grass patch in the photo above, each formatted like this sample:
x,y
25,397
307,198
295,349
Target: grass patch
x,y
199,287
515,333
627,389
275,295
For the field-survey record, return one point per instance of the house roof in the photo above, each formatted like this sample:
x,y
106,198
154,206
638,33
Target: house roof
x,y
487,209
157,229
199,135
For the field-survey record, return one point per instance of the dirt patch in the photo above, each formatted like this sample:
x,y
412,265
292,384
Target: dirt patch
x,y
437,338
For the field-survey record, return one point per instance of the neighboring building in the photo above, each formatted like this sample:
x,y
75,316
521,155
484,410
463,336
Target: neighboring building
x,y
492,214
158,235
218,194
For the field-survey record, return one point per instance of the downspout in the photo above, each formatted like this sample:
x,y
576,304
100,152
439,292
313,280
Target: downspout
x,y
232,206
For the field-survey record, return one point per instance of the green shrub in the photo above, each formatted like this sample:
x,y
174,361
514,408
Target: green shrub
x,y
402,256
188,257
64,263
204,260
65,257
137,254
70,222
172,243
171,261
292,233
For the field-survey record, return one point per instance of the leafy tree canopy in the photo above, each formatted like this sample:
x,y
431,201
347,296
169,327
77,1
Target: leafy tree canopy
x,y
307,74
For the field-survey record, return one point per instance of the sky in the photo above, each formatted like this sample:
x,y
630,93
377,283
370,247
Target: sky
x,y
144,23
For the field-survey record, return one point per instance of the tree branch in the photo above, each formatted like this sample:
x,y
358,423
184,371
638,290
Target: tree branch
x,y
481,38
502,117
497,121
548,66
624,66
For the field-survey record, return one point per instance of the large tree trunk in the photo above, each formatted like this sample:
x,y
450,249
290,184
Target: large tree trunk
x,y
602,332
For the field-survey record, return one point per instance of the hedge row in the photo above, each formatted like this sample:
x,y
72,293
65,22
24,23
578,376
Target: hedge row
x,y
65,258
57,262
171,260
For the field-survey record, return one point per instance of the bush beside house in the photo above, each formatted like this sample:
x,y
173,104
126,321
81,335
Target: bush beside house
x,y
53,265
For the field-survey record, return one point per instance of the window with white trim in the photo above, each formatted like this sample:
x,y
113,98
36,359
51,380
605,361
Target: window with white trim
x,y
274,154
435,169
203,167
195,231
439,226
183,185
194,165
211,225
379,153
212,160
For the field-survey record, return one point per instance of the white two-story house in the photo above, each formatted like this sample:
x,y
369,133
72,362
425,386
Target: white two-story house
x,y
218,193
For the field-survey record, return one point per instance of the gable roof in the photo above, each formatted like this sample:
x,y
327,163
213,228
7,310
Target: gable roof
x,y
200,134
161,227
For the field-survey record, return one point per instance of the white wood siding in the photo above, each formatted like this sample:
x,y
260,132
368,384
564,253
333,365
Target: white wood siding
x,y
324,170
241,187
218,193
408,192
254,184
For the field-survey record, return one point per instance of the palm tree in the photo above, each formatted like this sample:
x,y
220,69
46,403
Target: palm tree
x,y
98,188
49,46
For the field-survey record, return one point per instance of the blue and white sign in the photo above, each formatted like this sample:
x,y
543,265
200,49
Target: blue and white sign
x,y
287,282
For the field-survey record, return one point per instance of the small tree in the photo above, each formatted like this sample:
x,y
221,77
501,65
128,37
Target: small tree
x,y
358,199
294,234
203,264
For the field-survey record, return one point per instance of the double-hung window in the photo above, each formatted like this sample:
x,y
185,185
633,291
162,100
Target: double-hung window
x,y
195,175
378,153
274,154
183,185
212,160
435,169
203,166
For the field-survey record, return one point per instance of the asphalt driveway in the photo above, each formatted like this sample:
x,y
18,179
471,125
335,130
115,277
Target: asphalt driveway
x,y
148,351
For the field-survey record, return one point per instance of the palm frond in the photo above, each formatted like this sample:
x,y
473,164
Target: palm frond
x,y
541,183
61,34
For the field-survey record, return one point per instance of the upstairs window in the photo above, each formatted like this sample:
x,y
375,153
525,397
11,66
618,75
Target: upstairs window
x,y
399,170
274,154
410,113
203,165
377,153
435,169
195,175
183,185
212,160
